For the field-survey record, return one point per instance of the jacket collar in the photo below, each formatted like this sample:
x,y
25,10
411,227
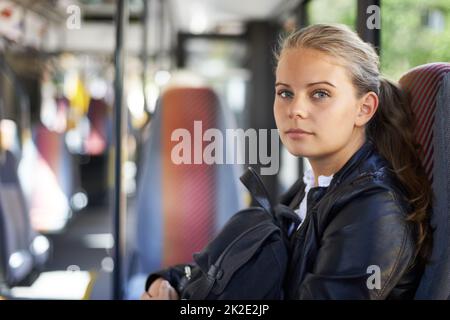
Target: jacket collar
x,y
294,195
355,161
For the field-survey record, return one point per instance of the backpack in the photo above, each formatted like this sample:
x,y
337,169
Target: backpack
x,y
248,259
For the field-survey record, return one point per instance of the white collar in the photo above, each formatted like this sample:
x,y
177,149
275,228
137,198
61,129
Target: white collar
x,y
308,179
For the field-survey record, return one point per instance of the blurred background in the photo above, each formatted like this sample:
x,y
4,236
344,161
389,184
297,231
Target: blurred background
x,y
90,92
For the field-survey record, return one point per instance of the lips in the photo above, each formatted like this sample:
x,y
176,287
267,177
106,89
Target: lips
x,y
297,131
297,134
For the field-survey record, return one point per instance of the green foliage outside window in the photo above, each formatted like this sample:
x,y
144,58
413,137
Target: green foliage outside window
x,y
413,32
408,37
332,11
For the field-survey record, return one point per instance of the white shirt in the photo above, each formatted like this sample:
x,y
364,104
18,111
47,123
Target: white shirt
x,y
308,179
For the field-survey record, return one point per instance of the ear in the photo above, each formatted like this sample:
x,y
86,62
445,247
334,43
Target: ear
x,y
367,106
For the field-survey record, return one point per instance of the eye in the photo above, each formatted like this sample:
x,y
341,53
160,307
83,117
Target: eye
x,y
285,94
320,94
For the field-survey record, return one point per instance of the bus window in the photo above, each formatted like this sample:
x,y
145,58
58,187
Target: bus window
x,y
328,11
409,30
221,62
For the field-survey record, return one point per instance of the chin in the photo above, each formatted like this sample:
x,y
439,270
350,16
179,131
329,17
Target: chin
x,y
299,151
299,148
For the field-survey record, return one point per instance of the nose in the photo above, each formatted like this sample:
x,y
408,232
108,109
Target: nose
x,y
298,109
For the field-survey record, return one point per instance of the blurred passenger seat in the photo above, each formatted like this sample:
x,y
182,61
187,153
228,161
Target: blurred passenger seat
x,y
181,207
23,251
428,87
48,178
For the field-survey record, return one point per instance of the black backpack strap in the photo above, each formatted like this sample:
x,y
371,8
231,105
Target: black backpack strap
x,y
252,181
287,218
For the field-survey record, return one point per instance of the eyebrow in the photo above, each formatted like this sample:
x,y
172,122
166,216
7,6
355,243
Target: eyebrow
x,y
308,85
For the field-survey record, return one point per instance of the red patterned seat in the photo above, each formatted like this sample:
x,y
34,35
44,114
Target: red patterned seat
x,y
180,207
429,89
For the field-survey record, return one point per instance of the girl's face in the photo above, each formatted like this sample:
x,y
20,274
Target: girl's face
x,y
316,108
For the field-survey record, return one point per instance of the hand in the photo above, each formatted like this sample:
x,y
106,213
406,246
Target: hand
x,y
160,289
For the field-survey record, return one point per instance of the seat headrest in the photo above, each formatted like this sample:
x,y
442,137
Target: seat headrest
x,y
422,85
428,87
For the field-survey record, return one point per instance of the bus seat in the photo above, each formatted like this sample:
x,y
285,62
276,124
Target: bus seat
x,y
46,158
97,140
23,251
428,87
181,207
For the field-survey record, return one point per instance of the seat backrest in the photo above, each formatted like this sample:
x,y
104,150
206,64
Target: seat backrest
x,y
15,234
96,142
23,252
429,89
181,206
46,159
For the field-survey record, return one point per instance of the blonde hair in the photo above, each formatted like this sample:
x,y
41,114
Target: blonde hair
x,y
391,128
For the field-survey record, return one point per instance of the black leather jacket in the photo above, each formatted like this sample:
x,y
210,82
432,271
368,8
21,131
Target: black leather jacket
x,y
355,242
354,228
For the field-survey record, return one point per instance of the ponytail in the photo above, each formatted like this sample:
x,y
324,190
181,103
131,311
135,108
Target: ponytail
x,y
392,131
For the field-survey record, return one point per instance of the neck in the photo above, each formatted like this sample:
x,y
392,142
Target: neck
x,y
331,163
